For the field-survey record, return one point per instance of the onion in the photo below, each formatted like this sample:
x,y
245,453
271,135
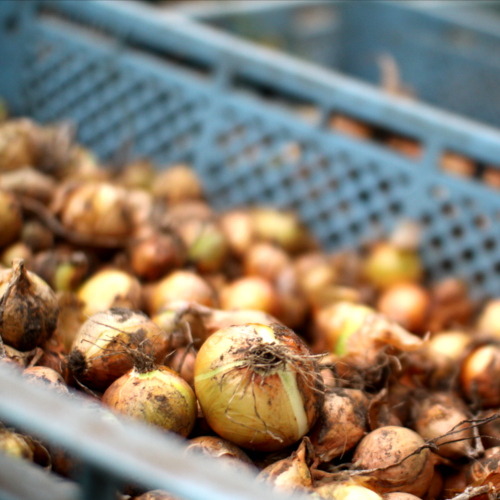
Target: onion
x,y
183,363
345,491
387,264
177,183
350,126
392,451
341,425
399,495
37,236
97,209
489,319
437,418
156,254
490,431
154,395
139,173
222,450
407,304
46,376
290,474
486,470
17,144
181,285
29,182
11,218
15,445
265,260
238,228
480,376
16,251
258,386
101,351
250,292
28,308
110,288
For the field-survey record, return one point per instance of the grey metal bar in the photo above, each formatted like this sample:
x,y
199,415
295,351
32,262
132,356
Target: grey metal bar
x,y
21,480
125,449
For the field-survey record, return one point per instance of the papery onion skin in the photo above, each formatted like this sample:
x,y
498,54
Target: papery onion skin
x,y
384,449
258,386
344,491
28,314
98,355
159,397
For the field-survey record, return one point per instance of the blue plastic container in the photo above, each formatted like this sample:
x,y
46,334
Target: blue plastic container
x,y
446,52
161,85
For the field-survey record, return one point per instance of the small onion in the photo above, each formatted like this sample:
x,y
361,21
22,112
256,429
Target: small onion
x,y
258,386
388,264
408,304
489,319
238,229
384,450
110,288
154,395
341,425
46,376
177,183
265,260
181,285
18,250
250,292
100,351
11,218
37,236
15,445
480,376
292,473
28,308
345,491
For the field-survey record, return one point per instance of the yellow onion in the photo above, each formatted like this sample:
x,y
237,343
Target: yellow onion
x,y
292,473
153,256
110,288
139,173
341,425
11,218
250,292
408,304
37,236
15,445
489,319
347,490
183,363
206,244
220,449
387,264
265,260
440,418
46,376
281,228
399,495
97,209
16,251
400,462
181,285
155,395
101,351
17,144
177,183
480,376
258,385
238,228
28,308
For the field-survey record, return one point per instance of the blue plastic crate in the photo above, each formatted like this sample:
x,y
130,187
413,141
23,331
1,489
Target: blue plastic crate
x,y
447,52
175,90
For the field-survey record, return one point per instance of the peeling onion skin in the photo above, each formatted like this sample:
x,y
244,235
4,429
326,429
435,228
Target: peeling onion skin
x,y
258,386
28,314
341,425
98,355
386,446
159,397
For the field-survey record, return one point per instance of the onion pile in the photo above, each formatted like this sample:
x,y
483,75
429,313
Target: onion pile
x,y
344,375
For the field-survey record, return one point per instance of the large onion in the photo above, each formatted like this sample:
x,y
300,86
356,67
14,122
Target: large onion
x,y
258,385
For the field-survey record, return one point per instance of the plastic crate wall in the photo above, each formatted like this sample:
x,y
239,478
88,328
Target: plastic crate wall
x,y
446,54
165,87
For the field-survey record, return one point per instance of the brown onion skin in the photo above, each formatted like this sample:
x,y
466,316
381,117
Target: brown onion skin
x,y
490,431
155,255
29,313
181,285
220,449
182,362
388,445
480,376
485,470
159,397
341,424
407,304
265,260
111,333
437,414
47,376
11,218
